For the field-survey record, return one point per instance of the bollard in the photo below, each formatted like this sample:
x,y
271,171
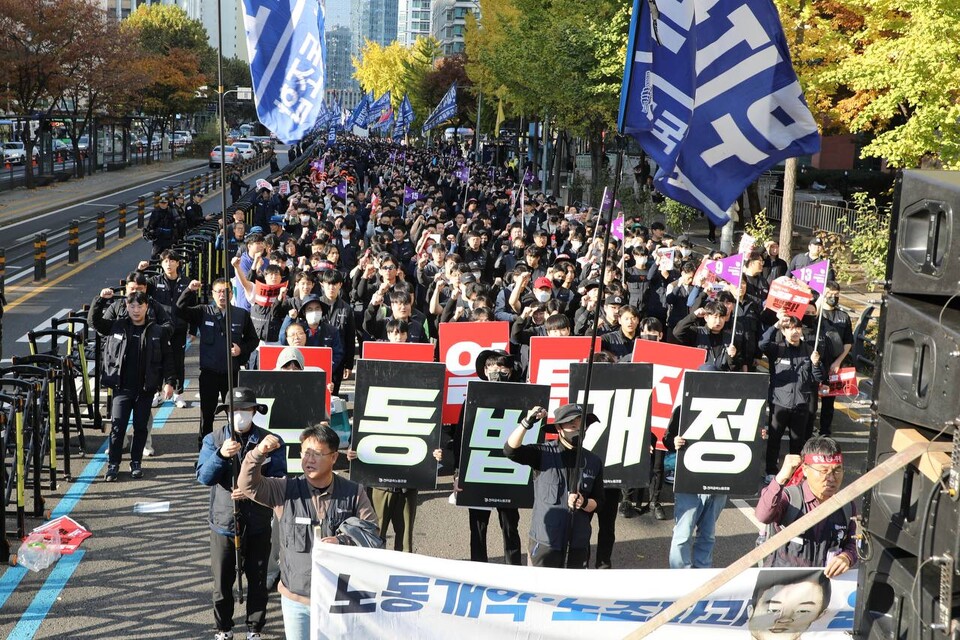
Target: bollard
x,y
141,211
38,256
43,254
181,188
156,199
122,220
206,182
101,231
3,270
73,242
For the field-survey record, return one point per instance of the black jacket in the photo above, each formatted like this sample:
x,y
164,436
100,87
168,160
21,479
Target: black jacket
x,y
156,364
213,336
793,377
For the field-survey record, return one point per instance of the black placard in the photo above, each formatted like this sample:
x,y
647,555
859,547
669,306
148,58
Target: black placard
x,y
294,401
721,418
620,397
492,412
396,423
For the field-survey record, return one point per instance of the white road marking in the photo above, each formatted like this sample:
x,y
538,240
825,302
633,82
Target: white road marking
x,y
747,512
45,326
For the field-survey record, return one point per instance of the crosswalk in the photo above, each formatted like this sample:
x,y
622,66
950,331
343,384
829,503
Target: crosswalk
x,y
45,325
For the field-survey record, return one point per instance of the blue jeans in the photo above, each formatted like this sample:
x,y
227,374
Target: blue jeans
x,y
695,511
296,619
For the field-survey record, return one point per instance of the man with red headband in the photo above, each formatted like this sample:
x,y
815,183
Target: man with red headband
x,y
803,483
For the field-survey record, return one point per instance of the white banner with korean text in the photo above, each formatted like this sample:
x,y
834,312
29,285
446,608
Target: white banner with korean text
x,y
372,593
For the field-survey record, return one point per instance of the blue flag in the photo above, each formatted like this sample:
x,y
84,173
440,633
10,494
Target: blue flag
x,y
713,98
287,48
446,109
331,136
359,111
404,117
378,107
336,115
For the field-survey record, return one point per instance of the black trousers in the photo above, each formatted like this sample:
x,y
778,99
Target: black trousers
x,y
178,345
607,527
792,422
657,474
826,414
125,402
509,527
213,389
223,562
542,555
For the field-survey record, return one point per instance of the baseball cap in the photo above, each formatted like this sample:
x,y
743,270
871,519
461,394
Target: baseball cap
x,y
568,412
543,283
613,300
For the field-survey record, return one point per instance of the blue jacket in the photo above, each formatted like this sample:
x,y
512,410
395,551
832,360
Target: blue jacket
x,y
216,472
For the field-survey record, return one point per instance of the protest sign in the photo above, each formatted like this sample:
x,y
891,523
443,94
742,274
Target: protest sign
x,y
666,255
71,533
550,360
266,294
788,296
493,410
841,383
460,344
396,423
284,188
313,358
401,351
747,244
721,417
729,269
669,361
620,398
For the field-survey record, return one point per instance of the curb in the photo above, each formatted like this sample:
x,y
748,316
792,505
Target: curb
x,y
44,209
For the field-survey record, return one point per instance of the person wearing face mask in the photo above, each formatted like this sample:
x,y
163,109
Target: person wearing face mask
x,y
222,452
836,337
493,365
319,332
564,496
814,254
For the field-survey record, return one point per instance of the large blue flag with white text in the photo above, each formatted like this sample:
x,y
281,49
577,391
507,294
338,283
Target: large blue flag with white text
x,y
404,117
287,51
378,107
446,109
712,96
359,116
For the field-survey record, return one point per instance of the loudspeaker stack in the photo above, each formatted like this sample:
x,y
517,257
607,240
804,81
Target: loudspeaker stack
x,y
912,543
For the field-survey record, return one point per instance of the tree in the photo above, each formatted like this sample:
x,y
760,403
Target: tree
x,y
904,82
382,68
105,82
40,50
175,51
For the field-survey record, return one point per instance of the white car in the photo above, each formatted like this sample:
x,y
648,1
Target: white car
x,y
232,156
246,150
186,135
14,152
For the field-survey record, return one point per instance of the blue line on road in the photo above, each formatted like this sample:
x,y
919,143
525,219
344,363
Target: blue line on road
x,y
37,611
12,577
164,411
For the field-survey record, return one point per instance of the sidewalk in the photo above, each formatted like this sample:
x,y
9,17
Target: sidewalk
x,y
22,203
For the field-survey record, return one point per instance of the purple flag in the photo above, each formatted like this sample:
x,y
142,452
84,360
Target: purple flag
x,y
463,173
340,191
729,268
814,275
607,200
616,229
527,178
411,195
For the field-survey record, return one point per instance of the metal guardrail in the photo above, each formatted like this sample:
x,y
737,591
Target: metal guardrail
x,y
94,229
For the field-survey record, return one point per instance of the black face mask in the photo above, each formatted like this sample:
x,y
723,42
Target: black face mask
x,y
832,300
650,336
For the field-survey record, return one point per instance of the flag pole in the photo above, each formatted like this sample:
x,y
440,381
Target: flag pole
x,y
826,274
600,217
466,190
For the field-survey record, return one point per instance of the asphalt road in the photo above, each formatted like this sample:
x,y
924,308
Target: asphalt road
x,y
147,575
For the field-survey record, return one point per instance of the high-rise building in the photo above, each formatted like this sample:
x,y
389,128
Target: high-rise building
x,y
450,23
234,35
413,20
340,83
374,20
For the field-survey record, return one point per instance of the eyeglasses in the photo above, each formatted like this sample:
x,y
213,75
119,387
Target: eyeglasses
x,y
834,471
388,267
310,453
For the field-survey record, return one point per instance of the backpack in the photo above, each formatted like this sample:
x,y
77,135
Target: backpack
x,y
794,494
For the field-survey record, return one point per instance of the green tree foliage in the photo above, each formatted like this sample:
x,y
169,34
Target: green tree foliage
x,y
904,81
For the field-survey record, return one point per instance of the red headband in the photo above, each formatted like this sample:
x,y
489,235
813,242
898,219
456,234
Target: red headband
x,y
819,458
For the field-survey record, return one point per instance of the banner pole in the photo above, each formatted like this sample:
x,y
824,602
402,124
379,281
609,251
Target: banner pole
x,y
593,345
826,274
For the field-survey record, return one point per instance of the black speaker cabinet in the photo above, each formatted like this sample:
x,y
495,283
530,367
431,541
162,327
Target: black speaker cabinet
x,y
894,510
927,239
891,604
920,370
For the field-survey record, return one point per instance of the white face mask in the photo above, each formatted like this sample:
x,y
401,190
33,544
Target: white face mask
x,y
345,233
685,253
304,220
242,421
313,317
541,295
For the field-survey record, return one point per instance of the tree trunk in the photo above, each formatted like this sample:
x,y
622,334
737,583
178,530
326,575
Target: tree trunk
x,y
786,215
753,199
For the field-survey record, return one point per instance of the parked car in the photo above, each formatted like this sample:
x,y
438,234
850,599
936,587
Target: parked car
x,y
253,142
14,153
231,156
186,135
246,150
